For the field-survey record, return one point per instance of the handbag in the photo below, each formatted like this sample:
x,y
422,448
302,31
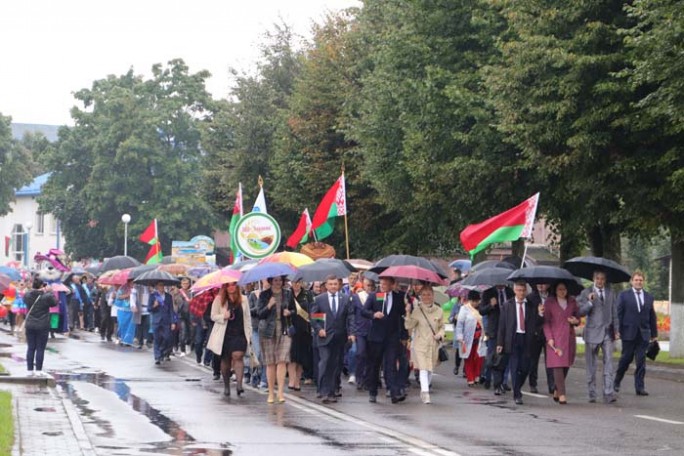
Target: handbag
x,y
442,354
653,350
215,341
22,329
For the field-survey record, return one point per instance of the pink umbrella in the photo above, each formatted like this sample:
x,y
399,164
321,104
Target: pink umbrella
x,y
216,279
413,272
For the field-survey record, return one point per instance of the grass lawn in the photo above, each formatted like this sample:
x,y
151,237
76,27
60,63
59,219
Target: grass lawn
x,y
663,357
6,423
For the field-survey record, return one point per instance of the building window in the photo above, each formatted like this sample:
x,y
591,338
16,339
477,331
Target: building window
x,y
53,224
40,223
18,239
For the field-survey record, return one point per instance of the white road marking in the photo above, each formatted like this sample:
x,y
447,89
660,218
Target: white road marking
x,y
660,420
540,396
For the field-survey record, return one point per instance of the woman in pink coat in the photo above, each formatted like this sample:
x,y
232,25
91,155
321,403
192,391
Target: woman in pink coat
x,y
561,315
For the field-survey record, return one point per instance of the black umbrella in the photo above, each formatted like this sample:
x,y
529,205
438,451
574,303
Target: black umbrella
x,y
119,262
320,269
152,278
516,261
407,260
547,274
492,264
140,270
586,266
489,277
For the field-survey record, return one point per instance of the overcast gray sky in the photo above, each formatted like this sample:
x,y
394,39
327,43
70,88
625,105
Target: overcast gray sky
x,y
51,48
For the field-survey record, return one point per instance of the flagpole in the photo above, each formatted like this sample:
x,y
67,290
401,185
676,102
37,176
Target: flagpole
x,y
346,224
522,262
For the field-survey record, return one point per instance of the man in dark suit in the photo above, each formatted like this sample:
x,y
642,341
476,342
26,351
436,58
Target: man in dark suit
x,y
538,297
638,327
386,310
332,335
490,308
518,322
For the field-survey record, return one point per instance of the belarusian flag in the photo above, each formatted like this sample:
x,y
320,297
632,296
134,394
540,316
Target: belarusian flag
x,y
237,214
302,230
151,236
334,204
511,225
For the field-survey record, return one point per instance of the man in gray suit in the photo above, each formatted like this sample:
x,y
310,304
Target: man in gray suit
x,y
599,304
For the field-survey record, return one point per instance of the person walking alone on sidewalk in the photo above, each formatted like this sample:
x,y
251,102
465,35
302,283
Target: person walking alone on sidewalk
x,y
37,324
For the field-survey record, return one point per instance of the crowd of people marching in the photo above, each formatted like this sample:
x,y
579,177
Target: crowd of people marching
x,y
280,335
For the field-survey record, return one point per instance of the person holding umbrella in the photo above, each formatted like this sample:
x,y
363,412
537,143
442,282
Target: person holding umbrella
x,y
599,304
561,315
164,321
538,297
426,320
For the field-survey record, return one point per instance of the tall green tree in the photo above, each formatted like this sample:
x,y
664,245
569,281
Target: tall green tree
x,y
134,149
15,165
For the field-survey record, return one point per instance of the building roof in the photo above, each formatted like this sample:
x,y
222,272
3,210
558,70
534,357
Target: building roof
x,y
33,189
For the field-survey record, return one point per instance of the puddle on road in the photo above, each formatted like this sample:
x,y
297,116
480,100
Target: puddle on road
x,y
181,442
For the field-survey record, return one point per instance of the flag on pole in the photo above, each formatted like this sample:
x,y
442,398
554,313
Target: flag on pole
x,y
511,225
151,236
303,228
237,214
333,204
260,203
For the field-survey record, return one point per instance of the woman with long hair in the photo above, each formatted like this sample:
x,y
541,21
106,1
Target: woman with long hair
x,y
276,305
231,309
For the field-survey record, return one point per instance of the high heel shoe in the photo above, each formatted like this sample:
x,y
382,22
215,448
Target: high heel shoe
x,y
240,391
555,395
562,401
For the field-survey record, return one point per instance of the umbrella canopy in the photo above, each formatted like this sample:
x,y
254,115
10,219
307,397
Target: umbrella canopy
x,y
586,266
321,269
463,265
119,262
407,260
197,272
4,282
216,279
517,262
120,277
361,265
488,277
94,270
458,290
493,264
12,273
291,258
440,295
243,266
137,271
266,271
413,272
152,278
105,277
541,274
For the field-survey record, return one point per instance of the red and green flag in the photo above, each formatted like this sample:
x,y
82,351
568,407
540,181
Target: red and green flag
x,y
318,317
237,215
303,228
380,297
151,236
511,225
333,204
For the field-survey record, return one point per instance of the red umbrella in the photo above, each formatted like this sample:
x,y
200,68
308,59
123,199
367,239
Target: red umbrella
x,y
413,272
118,278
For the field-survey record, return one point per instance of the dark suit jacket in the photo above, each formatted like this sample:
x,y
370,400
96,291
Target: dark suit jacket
x,y
534,323
391,327
633,322
535,299
492,312
337,327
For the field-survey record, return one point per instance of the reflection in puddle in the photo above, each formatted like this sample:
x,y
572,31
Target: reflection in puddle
x,y
181,442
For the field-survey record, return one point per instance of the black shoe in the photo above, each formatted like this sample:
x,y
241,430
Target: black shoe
x,y
518,401
157,362
240,391
139,347
592,400
456,370
372,399
487,385
609,399
533,389
338,393
616,387
641,393
506,387
217,376
329,400
498,391
398,399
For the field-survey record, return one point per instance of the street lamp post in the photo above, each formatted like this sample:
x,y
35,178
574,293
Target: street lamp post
x,y
29,226
126,219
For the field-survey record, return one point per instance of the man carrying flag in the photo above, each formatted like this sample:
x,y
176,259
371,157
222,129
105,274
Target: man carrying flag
x,y
511,225
151,236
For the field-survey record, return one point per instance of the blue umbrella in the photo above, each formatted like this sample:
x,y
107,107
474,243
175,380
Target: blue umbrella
x,y
266,271
463,265
11,273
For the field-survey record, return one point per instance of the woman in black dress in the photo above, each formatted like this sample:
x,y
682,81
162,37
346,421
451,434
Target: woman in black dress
x,y
232,309
301,354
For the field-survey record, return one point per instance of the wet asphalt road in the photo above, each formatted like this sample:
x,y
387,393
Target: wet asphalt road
x,y
129,406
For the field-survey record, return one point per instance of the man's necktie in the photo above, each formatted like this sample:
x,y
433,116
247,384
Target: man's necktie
x,y
521,316
601,295
334,304
502,297
639,302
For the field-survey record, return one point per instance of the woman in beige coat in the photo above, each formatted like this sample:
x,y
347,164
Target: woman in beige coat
x,y
426,321
231,334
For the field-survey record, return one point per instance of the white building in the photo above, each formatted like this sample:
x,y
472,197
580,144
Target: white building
x,y
27,230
